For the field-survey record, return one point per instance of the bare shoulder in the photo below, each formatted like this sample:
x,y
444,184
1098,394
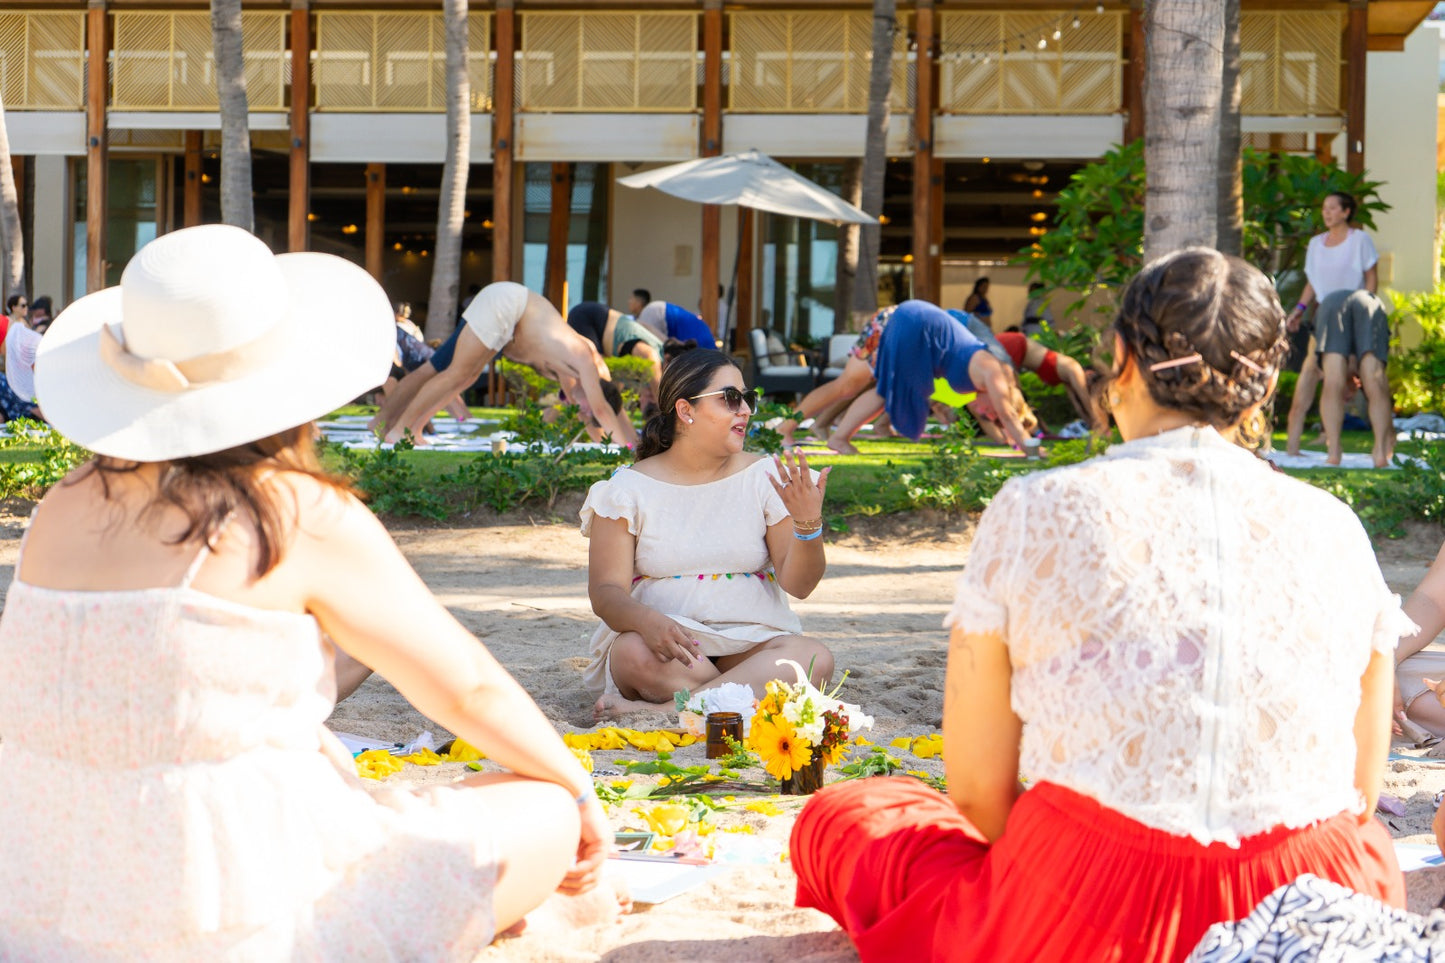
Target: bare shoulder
x,y
327,518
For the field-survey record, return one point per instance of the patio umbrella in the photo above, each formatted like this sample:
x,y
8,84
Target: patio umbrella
x,y
749,178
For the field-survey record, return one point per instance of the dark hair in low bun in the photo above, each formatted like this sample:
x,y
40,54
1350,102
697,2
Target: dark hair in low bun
x,y
684,377
1198,301
1347,201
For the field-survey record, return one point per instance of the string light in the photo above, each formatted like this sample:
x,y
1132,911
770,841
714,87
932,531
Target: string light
x,y
1058,33
1003,47
1043,44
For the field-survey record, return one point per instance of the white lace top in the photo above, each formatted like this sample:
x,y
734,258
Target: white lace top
x,y
1187,630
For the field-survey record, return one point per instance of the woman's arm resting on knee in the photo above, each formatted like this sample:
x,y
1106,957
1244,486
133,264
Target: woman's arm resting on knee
x,y
612,558
368,598
1372,728
980,731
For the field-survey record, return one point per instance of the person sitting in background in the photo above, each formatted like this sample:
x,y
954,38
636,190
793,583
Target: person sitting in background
x,y
41,311
637,300
1130,632
167,647
668,320
16,306
21,344
1036,312
505,316
694,547
977,304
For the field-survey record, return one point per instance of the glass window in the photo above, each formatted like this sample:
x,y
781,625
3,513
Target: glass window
x,y
587,232
134,208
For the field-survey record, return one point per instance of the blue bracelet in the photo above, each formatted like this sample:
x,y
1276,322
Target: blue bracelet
x,y
586,795
808,538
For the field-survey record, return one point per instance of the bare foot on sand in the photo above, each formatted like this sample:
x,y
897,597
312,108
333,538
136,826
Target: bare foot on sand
x,y
611,707
842,446
605,904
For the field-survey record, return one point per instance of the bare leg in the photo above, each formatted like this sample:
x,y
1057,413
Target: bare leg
x,y
855,378
1425,710
458,409
865,408
1304,397
349,675
1382,408
467,365
647,685
823,420
399,397
1332,405
644,350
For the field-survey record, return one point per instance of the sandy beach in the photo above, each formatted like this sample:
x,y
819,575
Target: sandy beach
x,y
520,584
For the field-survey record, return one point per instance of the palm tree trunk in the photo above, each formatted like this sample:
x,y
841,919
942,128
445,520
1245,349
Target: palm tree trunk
x,y
451,208
236,207
12,240
847,250
875,152
1184,67
1230,226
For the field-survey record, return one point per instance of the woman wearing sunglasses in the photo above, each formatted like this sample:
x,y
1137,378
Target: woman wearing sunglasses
x,y
695,549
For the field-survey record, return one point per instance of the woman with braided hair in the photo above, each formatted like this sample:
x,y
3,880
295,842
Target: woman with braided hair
x,y
1129,632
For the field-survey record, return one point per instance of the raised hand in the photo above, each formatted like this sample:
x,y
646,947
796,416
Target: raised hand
x,y
802,497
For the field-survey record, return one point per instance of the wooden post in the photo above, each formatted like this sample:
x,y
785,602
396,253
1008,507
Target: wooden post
x,y
503,121
97,142
924,283
935,230
191,193
1134,75
712,29
1356,53
17,170
743,298
298,229
559,224
375,218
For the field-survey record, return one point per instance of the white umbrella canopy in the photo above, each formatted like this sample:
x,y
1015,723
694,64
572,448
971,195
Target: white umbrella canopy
x,y
749,178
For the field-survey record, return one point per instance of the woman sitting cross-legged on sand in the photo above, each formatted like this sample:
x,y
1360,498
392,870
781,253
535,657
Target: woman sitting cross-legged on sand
x,y
1129,633
693,548
171,792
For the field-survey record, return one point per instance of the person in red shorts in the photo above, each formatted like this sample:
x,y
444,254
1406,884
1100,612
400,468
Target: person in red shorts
x,y
1129,634
1052,369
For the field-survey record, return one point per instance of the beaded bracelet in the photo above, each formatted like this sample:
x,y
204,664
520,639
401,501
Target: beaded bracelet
x,y
818,533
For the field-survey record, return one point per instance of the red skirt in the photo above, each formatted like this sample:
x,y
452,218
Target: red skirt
x,y
909,878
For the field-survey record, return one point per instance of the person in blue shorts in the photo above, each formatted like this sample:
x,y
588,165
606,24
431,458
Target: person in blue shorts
x,y
668,320
923,342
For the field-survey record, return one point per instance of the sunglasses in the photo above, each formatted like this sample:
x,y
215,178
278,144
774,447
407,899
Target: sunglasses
x,y
733,397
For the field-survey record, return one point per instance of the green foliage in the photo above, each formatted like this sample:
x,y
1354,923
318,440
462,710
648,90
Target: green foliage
x,y
389,482
878,762
767,440
1417,375
523,380
1097,239
33,478
954,476
1284,396
630,374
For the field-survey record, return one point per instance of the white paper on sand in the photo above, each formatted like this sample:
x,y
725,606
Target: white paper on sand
x,y
655,882
1413,856
355,744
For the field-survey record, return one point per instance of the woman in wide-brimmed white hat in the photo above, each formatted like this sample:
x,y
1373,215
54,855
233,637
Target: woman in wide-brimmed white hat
x,y
170,791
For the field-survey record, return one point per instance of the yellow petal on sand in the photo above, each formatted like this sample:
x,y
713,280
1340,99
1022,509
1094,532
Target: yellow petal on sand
x,y
584,757
423,757
463,751
377,764
764,807
902,742
739,828
863,741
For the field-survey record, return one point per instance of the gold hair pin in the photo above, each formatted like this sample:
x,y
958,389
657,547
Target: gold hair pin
x,y
1176,362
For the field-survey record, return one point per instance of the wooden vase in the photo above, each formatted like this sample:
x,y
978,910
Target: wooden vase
x,y
805,781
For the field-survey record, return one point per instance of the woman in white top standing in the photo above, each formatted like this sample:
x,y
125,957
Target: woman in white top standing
x,y
1350,323
1201,705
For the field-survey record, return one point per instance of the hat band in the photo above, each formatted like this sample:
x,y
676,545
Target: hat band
x,y
160,374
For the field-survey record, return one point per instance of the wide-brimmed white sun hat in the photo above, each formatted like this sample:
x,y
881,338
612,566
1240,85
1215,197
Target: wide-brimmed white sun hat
x,y
211,341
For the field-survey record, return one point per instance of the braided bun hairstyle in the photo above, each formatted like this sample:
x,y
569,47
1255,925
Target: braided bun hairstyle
x,y
1198,301
684,377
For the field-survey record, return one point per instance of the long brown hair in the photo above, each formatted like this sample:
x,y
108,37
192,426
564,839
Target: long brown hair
x,y
210,489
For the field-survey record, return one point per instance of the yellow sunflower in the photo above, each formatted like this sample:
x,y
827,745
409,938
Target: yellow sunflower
x,y
778,745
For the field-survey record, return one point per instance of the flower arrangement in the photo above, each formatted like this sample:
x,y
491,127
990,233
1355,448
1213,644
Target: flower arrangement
x,y
799,729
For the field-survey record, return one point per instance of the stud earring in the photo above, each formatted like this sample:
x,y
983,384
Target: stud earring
x,y
1113,399
688,420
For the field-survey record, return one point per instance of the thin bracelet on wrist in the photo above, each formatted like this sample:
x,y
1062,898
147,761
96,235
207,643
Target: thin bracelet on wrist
x,y
586,794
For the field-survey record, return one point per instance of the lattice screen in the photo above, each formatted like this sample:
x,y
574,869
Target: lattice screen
x,y
601,61
165,61
1290,62
989,63
42,61
395,61
808,62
